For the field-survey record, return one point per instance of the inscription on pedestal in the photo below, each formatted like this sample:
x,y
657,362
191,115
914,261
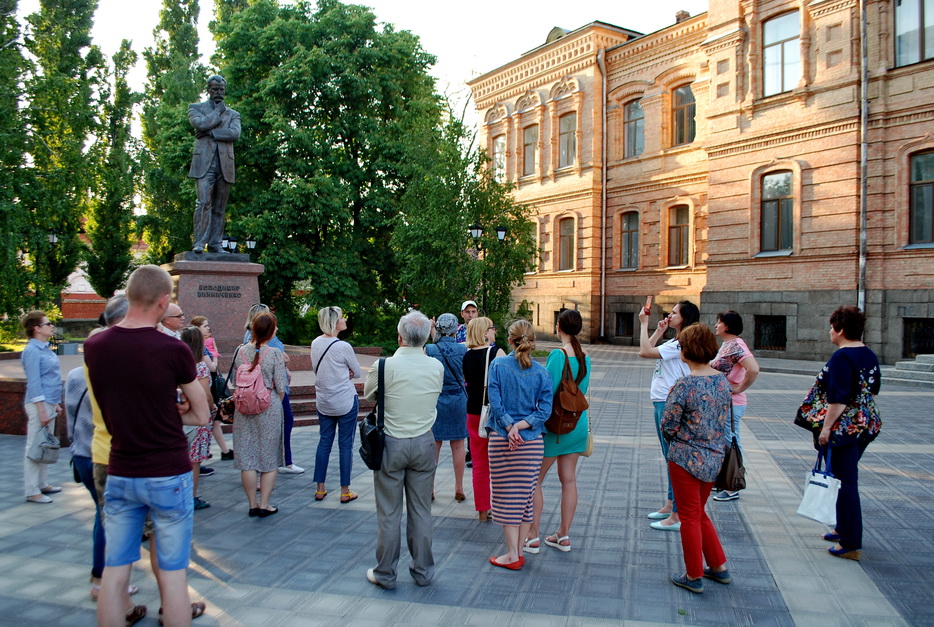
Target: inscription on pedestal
x,y
219,291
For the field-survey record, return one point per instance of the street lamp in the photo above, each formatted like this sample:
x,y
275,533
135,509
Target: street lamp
x,y
476,232
224,243
53,236
232,243
250,242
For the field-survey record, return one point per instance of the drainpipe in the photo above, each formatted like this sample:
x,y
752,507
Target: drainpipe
x,y
863,156
601,62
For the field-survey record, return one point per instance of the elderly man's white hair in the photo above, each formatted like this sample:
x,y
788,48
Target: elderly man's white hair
x,y
414,328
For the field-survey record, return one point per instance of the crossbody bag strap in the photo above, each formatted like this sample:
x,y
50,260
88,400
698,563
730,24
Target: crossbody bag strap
x,y
448,365
233,362
486,375
325,353
380,385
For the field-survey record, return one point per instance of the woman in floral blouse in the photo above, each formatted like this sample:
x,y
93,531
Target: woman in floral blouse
x,y
851,378
695,423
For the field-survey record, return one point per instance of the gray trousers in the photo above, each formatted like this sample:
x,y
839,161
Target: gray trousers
x,y
408,469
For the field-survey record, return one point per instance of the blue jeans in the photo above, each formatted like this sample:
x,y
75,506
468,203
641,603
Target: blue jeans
x,y
738,412
327,425
86,471
659,410
168,500
288,422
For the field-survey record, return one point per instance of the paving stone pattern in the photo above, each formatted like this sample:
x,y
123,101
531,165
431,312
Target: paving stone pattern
x,y
306,566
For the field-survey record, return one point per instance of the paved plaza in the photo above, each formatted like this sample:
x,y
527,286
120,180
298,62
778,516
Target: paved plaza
x,y
307,565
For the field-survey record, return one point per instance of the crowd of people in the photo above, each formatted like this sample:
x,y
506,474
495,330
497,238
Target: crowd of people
x,y
141,462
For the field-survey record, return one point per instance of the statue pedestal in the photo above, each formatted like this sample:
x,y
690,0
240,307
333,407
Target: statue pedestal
x,y
221,287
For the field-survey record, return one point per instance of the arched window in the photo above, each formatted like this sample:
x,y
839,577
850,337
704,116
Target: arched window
x,y
529,149
499,157
567,140
566,244
921,194
682,116
781,54
679,235
629,240
778,212
633,129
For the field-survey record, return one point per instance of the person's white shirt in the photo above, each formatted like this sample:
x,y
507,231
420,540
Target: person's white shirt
x,y
412,383
668,369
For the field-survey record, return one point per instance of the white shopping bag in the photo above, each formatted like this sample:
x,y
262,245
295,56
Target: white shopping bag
x,y
820,493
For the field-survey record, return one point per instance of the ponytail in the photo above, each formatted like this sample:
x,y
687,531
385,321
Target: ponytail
x,y
571,323
522,337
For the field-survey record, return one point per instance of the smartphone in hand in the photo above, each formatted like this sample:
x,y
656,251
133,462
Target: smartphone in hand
x,y
648,305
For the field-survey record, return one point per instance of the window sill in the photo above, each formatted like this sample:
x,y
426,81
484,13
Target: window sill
x,y
686,267
919,246
627,269
774,253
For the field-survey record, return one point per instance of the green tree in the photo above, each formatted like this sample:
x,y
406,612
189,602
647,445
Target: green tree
x,y
452,189
331,107
61,117
13,223
176,79
110,222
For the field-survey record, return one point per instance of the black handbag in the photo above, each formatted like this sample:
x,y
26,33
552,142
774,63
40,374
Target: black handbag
x,y
732,476
225,404
372,434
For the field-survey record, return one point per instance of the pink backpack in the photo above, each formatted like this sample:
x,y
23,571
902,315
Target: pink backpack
x,y
251,396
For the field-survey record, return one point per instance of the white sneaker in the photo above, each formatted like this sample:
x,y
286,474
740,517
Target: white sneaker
x,y
38,498
292,470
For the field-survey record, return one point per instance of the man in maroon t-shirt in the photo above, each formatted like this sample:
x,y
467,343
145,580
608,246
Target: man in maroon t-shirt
x,y
135,371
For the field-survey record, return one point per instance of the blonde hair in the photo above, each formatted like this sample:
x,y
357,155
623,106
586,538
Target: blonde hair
x,y
476,332
328,317
522,337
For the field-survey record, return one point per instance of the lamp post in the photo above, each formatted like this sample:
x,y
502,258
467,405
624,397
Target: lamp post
x,y
476,233
250,243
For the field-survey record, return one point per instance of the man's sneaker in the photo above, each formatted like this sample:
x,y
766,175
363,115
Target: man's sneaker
x,y
294,469
727,496
227,456
199,504
206,471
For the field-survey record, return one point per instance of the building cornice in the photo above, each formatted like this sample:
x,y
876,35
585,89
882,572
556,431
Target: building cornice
x,y
780,138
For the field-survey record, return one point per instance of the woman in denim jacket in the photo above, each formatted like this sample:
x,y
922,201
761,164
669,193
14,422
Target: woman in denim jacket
x,y
43,400
520,402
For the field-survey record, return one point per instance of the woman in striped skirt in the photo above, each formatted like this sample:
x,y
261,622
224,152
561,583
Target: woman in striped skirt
x,y
520,402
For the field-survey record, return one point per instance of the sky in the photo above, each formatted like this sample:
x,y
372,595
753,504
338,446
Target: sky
x,y
468,38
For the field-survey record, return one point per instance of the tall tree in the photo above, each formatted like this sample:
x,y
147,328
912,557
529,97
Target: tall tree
x,y
13,223
452,189
110,221
61,116
175,79
330,106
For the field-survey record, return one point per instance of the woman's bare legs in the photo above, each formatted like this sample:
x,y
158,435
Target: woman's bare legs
x,y
459,455
267,481
538,500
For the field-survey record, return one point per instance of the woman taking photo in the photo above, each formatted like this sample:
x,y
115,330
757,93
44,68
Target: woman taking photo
x,y
258,437
564,449
43,400
199,438
451,422
851,372
668,369
695,422
336,366
735,360
520,402
481,335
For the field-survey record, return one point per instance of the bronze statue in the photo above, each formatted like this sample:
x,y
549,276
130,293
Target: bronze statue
x,y
212,166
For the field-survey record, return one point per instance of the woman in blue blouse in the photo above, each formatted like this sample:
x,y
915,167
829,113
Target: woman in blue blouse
x,y
853,370
563,449
520,402
43,400
695,423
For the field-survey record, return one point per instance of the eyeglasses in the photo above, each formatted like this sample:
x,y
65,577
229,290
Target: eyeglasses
x,y
47,324
181,315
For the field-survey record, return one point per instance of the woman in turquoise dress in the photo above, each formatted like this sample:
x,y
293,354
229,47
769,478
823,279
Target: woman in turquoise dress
x,y
564,449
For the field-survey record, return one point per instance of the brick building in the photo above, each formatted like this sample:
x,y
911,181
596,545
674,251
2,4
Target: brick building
x,y
728,159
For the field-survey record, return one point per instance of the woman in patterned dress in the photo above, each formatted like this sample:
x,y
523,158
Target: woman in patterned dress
x,y
199,438
695,423
258,438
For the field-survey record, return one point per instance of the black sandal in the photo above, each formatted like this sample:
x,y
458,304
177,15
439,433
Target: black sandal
x,y
263,513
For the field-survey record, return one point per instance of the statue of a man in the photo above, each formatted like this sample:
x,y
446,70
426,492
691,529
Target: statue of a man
x,y
212,166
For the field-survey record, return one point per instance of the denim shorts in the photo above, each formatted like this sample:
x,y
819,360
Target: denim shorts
x,y
168,500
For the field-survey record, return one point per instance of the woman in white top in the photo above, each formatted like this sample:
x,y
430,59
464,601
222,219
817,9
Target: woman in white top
x,y
668,369
335,366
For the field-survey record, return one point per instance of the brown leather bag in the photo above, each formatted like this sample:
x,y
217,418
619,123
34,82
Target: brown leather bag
x,y
569,402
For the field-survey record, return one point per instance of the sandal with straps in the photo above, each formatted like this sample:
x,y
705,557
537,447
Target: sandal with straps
x,y
348,497
319,496
532,550
556,542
